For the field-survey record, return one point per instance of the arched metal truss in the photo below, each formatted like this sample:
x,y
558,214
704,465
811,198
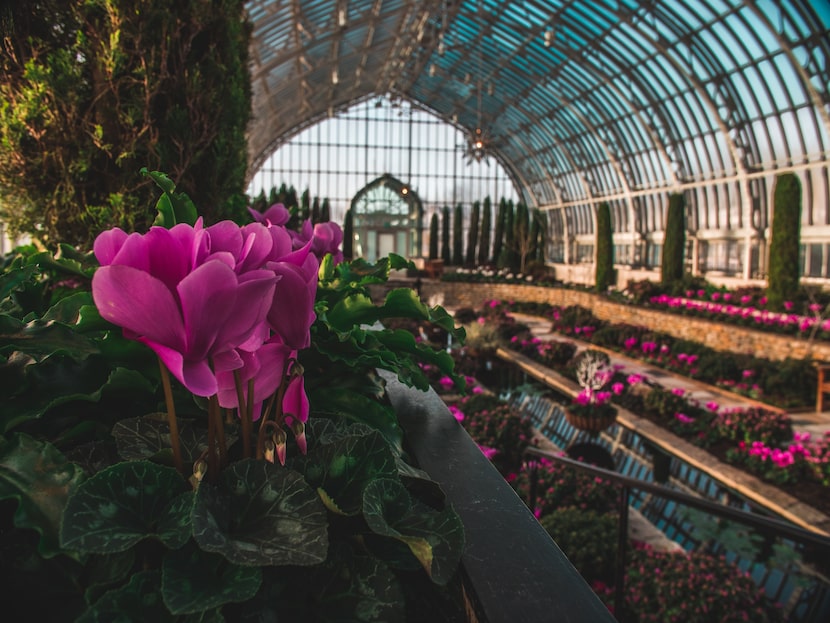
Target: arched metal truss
x,y
584,101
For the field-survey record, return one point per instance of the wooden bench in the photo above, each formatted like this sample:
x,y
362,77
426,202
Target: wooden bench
x,y
823,385
434,269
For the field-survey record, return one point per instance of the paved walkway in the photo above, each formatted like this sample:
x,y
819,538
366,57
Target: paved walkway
x,y
815,423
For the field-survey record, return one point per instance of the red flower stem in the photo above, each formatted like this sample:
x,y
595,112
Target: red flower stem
x,y
220,434
260,439
171,418
243,411
248,420
213,407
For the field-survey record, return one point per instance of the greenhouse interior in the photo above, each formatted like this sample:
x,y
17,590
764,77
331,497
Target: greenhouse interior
x,y
524,312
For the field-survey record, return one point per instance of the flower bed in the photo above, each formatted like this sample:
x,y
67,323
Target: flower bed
x,y
578,510
756,439
787,384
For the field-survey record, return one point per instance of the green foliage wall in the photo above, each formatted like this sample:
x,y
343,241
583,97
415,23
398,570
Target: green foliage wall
x,y
486,226
604,273
445,236
786,236
472,234
433,236
674,244
457,233
90,92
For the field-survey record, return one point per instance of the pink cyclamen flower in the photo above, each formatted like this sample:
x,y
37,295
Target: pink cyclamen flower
x,y
446,382
684,418
712,405
633,379
457,413
327,238
677,391
617,388
788,305
277,214
186,309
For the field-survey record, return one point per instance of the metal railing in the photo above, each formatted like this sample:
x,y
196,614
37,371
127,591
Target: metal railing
x,y
764,525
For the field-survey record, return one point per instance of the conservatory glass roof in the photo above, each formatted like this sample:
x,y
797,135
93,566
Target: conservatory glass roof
x,y
576,99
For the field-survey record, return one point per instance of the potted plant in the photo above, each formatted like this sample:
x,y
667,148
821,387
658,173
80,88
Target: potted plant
x,y
194,429
591,409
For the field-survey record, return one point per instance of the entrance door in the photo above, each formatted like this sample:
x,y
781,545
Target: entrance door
x,y
386,244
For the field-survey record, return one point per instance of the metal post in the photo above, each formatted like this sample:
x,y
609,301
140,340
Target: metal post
x,y
619,569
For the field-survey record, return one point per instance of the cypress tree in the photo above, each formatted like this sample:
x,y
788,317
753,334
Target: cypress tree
x,y
260,204
604,269
445,236
542,219
472,234
325,211
433,236
784,271
305,205
348,236
457,231
498,235
486,225
674,243
274,196
315,211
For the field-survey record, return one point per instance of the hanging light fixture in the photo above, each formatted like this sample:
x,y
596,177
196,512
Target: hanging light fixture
x,y
478,142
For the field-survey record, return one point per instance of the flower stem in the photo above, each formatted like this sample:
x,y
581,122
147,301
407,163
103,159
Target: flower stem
x,y
171,418
276,398
213,408
242,409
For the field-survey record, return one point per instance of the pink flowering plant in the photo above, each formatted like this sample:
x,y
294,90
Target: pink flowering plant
x,y
181,406
692,587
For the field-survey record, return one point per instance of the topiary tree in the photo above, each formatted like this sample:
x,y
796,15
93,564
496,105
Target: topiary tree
x,y
457,232
445,236
94,91
433,236
325,211
348,236
674,243
782,284
604,273
472,234
486,225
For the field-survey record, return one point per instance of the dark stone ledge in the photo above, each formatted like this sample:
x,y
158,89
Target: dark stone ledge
x,y
512,570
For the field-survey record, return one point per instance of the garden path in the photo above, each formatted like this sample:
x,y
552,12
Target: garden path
x,y
815,423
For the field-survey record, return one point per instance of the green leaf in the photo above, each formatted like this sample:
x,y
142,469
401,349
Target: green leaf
x,y
39,479
138,601
173,208
436,538
355,588
43,340
148,437
105,570
61,380
194,581
13,279
353,406
350,587
124,504
343,468
260,514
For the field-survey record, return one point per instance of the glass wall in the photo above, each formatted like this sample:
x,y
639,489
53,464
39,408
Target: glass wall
x,y
339,156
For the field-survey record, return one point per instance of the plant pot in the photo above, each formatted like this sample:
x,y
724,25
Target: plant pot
x,y
590,423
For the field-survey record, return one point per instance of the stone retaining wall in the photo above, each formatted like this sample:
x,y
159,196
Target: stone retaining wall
x,y
720,336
